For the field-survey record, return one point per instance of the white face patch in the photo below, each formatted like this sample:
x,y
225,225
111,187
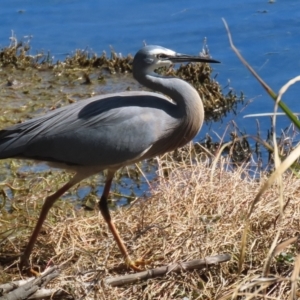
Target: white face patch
x,y
162,50
154,61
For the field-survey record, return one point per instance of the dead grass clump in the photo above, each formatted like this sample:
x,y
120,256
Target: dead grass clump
x,y
187,217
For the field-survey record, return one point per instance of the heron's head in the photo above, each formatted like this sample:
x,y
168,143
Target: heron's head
x,y
150,58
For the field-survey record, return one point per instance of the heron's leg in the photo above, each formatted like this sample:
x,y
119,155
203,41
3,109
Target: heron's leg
x,y
49,201
134,264
106,215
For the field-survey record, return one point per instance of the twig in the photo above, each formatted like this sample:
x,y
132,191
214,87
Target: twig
x,y
161,271
24,291
281,104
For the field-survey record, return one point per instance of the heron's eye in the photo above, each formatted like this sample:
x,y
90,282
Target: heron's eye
x,y
160,56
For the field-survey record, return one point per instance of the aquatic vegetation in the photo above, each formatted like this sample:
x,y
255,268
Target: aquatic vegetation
x,y
94,69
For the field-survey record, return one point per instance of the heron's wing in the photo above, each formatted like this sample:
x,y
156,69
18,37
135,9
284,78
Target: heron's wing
x,y
100,131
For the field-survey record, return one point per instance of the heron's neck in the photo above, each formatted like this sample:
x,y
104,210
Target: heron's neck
x,y
181,92
189,106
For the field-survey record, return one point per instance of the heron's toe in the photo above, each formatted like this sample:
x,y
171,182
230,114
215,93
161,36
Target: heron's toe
x,y
138,263
24,267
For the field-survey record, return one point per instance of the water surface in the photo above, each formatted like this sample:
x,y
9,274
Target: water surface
x,y
266,33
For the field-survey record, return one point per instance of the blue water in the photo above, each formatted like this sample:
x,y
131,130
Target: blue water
x,y
267,35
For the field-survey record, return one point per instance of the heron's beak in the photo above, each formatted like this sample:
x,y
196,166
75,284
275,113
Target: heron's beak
x,y
181,58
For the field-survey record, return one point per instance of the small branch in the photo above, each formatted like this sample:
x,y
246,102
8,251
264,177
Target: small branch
x,y
273,95
19,290
161,271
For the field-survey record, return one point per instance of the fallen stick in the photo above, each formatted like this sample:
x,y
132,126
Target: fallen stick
x,y
21,290
161,271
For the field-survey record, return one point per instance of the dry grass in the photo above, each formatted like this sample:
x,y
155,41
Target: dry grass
x,y
187,217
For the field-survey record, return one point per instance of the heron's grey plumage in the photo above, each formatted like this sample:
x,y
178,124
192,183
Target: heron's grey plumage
x,y
102,131
110,131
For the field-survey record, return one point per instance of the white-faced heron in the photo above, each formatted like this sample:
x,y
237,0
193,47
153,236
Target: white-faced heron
x,y
108,132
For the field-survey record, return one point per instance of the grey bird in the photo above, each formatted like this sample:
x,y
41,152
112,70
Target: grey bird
x,y
110,131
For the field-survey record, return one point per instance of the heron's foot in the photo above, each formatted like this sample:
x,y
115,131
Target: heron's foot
x,y
138,263
24,266
24,262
